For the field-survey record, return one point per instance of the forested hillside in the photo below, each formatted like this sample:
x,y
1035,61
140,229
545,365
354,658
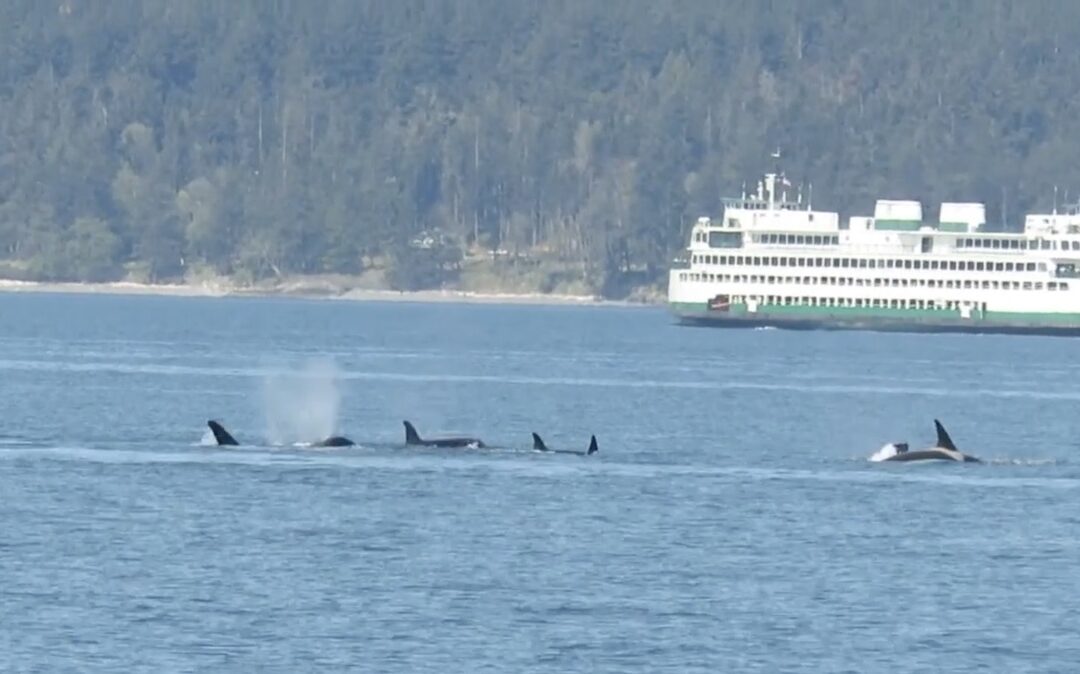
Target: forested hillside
x,y
163,139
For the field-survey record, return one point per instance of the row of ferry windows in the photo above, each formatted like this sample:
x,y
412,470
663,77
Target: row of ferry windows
x,y
1018,244
953,284
984,244
784,239
797,239
862,263
860,302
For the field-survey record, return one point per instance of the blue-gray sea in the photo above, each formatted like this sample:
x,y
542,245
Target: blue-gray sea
x,y
731,521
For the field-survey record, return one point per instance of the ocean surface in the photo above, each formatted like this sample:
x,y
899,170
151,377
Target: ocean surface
x,y
731,521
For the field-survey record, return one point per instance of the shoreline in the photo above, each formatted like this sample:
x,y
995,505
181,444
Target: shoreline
x,y
309,291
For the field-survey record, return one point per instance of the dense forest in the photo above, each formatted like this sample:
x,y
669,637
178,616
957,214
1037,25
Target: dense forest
x,y
569,141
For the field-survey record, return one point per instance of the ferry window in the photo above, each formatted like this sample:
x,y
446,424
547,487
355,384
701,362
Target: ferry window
x,y
1042,266
986,285
1076,245
1051,285
1027,285
783,262
836,240
817,239
995,244
1063,286
907,264
1008,266
999,266
725,239
862,264
1044,244
1038,286
1031,266
979,266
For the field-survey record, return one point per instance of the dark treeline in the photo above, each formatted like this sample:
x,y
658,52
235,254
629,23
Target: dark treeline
x,y
263,138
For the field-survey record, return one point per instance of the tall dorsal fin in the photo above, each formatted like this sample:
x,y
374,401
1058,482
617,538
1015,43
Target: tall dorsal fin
x,y
411,436
593,447
538,444
943,439
221,436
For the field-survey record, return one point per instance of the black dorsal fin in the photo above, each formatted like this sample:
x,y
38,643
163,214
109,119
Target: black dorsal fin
x,y
593,447
538,443
411,436
221,436
943,439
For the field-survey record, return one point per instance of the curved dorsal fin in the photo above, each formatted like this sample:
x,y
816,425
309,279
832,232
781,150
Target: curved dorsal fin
x,y
221,436
411,436
538,444
943,439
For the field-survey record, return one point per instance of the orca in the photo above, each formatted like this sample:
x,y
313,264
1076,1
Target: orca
x,y
944,450
413,438
538,445
223,437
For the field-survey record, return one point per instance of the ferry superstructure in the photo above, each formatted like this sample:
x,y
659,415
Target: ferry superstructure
x,y
772,260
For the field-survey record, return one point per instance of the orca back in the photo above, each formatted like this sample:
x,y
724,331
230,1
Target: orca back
x,y
337,441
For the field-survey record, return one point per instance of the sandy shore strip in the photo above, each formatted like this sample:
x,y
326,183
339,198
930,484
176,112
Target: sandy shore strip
x,y
301,290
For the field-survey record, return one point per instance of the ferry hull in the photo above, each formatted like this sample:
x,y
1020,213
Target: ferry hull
x,y
913,324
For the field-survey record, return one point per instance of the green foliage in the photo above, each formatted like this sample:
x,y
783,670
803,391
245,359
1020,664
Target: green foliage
x,y
264,139
92,251
426,262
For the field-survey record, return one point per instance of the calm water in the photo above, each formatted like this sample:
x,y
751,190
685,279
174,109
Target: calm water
x,y
730,521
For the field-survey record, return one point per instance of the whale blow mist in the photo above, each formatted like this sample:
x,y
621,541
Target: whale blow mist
x,y
302,405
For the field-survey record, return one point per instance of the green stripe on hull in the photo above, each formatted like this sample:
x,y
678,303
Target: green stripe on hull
x,y
845,315
1035,318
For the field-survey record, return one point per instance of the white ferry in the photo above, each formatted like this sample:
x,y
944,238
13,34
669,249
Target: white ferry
x,y
773,261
